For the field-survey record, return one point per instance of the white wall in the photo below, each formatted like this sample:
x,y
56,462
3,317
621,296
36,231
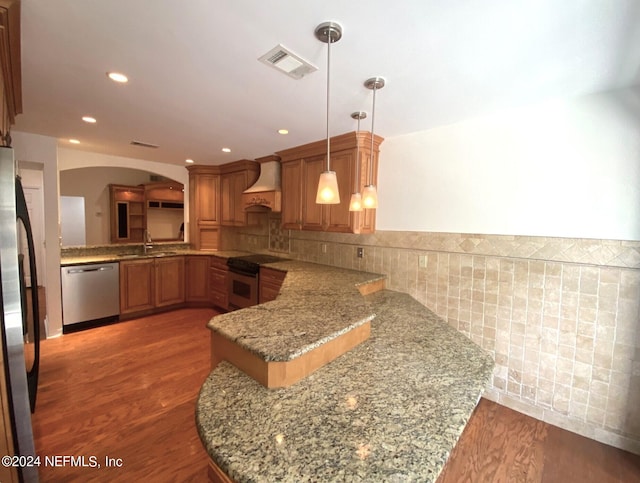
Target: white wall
x,y
72,159
43,150
92,184
566,168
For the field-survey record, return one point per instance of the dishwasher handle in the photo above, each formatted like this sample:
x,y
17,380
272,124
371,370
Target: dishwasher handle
x,y
83,270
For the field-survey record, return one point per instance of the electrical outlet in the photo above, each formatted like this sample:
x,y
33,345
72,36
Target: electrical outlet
x,y
324,248
360,252
422,261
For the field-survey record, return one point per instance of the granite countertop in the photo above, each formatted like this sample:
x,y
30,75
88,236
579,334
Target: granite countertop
x,y
391,409
316,304
81,257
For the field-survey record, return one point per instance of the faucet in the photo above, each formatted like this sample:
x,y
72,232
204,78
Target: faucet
x,y
148,242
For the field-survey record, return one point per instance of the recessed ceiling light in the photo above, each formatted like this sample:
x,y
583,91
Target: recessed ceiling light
x,y
89,119
283,131
74,141
118,77
188,161
226,150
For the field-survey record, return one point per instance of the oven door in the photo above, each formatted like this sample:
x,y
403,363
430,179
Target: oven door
x,y
243,290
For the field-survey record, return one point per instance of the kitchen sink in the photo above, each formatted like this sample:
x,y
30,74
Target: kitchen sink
x,y
128,256
162,254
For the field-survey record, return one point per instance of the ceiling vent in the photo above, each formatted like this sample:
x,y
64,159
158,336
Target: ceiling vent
x,y
144,145
286,61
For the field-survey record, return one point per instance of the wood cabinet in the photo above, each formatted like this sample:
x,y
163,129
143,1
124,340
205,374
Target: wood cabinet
x,y
215,194
151,283
137,286
10,71
128,211
204,207
197,279
219,282
301,168
169,281
292,194
234,179
164,194
270,284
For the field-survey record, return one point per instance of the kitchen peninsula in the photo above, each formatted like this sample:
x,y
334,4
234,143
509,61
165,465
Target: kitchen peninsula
x,y
390,409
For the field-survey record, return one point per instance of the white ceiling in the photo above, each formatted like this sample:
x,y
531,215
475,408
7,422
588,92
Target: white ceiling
x,y
196,84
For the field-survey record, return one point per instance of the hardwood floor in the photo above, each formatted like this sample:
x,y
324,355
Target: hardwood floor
x,y
125,391
502,445
128,391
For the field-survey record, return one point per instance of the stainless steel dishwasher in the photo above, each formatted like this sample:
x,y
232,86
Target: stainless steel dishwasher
x,y
90,293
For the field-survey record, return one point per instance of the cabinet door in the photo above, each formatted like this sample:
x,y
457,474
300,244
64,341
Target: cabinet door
x,y
218,279
169,281
231,187
207,192
291,173
197,278
312,213
338,217
137,283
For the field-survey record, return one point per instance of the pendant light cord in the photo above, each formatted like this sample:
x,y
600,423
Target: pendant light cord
x,y
328,97
373,118
357,190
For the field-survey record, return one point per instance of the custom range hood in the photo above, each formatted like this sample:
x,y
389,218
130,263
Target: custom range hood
x,y
266,192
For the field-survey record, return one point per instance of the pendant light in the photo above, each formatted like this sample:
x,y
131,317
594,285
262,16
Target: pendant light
x,y
370,193
356,198
328,194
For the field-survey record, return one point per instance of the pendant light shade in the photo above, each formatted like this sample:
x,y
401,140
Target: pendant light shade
x,y
328,189
355,204
370,196
328,193
370,193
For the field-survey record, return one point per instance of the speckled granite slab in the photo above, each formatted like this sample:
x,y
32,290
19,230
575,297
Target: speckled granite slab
x,y
391,409
317,303
117,253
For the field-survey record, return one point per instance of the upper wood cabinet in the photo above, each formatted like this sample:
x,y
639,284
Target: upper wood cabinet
x,y
164,194
10,67
215,199
301,168
128,222
204,207
234,179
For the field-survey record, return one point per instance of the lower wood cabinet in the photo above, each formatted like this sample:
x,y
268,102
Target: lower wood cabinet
x,y
169,281
270,284
197,279
151,283
219,282
137,286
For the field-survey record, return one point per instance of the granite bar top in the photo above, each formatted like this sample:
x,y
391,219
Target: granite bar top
x,y
317,303
391,409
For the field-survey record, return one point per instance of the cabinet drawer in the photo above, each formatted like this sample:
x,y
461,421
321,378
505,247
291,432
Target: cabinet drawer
x,y
218,279
220,298
219,263
270,275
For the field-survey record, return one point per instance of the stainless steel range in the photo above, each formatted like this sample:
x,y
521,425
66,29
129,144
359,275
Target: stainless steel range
x,y
243,279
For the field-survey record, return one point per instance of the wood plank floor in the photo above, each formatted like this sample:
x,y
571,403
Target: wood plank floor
x,y
128,391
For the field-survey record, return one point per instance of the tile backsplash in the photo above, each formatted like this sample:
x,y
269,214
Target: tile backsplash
x,y
560,316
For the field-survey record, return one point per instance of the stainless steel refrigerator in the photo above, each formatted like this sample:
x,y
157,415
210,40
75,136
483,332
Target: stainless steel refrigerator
x,y
20,325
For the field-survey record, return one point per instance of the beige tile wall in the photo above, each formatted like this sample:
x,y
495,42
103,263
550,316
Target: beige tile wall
x,y
560,316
